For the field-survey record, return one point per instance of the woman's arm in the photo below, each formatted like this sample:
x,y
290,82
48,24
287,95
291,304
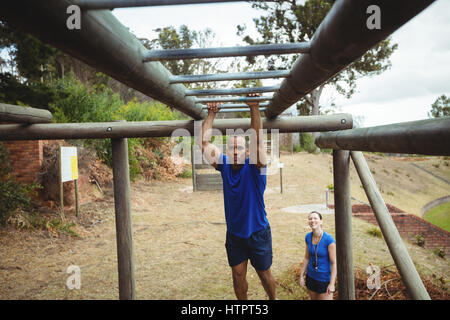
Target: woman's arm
x,y
332,257
305,265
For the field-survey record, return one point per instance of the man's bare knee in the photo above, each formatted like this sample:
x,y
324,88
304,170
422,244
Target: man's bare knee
x,y
240,271
265,275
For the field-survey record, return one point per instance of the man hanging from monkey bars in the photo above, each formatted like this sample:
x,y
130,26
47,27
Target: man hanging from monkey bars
x,y
243,170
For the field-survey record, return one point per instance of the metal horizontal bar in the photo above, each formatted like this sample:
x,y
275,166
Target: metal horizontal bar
x,y
101,130
19,114
200,53
229,76
237,105
208,92
103,43
111,4
232,99
239,110
341,38
429,137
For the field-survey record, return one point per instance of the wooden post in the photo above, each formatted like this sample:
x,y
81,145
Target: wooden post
x,y
77,204
405,265
281,179
343,222
19,114
123,219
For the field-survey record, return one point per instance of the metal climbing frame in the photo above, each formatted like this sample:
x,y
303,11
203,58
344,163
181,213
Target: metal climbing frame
x,y
105,44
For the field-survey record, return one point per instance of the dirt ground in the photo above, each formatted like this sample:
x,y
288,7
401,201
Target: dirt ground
x,y
179,238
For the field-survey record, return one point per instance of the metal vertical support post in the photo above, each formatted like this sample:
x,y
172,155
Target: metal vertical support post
x,y
61,186
343,222
194,172
123,219
410,276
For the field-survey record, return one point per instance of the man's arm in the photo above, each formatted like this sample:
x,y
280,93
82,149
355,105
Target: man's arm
x,y
209,150
256,125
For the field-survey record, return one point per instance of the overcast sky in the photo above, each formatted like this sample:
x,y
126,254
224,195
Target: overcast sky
x,y
420,66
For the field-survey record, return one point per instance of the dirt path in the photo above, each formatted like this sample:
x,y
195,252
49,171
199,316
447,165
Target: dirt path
x,y
178,238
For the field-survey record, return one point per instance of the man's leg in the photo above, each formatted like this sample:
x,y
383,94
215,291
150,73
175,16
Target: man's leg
x,y
240,283
268,282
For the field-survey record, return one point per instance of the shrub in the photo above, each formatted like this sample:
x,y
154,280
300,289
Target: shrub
x,y
440,252
185,174
297,148
374,231
307,142
77,103
420,240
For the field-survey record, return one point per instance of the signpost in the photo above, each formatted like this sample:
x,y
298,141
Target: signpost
x,y
68,171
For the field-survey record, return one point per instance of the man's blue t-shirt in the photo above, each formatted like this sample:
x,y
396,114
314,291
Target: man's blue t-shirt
x,y
323,272
243,196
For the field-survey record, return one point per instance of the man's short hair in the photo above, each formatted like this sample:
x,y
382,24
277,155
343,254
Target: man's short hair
x,y
246,138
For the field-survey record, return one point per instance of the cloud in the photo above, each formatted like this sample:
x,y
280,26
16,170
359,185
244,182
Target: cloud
x,y
394,111
420,71
222,18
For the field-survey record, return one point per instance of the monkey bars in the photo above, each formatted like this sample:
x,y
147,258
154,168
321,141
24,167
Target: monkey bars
x,y
232,99
238,105
210,92
254,50
229,76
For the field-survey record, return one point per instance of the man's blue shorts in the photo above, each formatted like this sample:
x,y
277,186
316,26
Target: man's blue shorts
x,y
257,248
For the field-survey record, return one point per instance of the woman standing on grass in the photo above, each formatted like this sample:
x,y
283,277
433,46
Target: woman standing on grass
x,y
320,261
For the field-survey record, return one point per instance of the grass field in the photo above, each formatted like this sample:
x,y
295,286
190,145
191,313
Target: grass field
x,y
439,216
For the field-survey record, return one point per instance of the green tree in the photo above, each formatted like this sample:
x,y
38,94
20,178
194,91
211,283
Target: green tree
x,y
171,38
33,59
184,38
287,21
440,108
34,94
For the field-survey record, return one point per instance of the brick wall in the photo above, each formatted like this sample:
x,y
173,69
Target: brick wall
x,y
408,226
26,159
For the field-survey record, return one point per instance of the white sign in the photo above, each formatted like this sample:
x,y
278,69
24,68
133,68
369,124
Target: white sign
x,y
280,165
69,164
